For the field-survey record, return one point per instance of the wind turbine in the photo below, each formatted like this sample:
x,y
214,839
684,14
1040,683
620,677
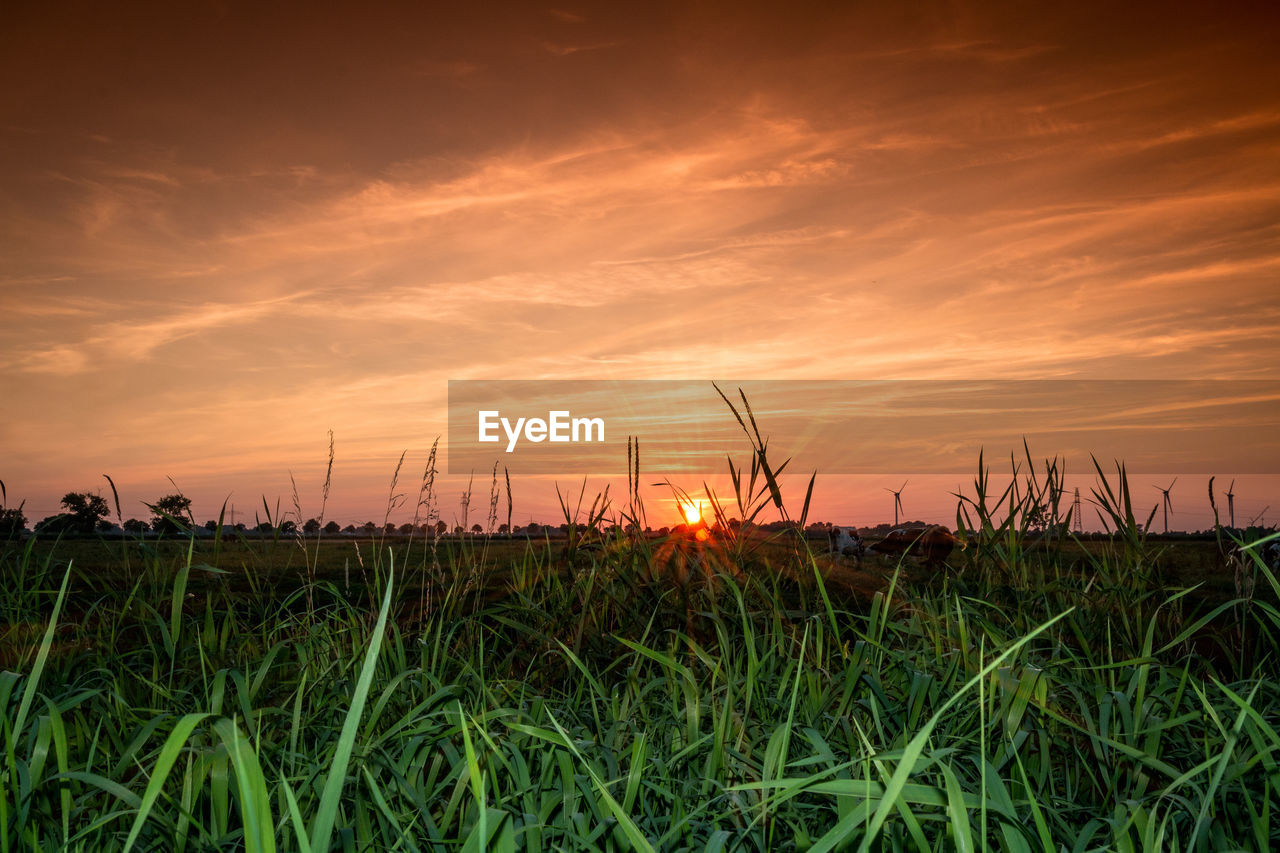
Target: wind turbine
x,y
1168,504
897,501
1231,503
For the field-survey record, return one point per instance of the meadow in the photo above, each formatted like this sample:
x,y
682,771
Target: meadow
x,y
722,690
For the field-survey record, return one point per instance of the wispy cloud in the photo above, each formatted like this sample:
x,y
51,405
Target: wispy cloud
x,y
570,49
567,17
127,341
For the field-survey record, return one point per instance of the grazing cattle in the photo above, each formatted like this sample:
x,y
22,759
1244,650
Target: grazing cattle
x,y
845,542
933,543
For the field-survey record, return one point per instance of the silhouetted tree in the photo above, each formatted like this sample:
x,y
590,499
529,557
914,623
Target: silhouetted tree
x,y
53,525
369,528
135,526
311,526
406,529
441,527
84,511
87,509
211,525
168,513
12,523
332,527
390,529
475,528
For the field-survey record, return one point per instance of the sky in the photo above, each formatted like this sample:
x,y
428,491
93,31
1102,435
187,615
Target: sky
x,y
226,229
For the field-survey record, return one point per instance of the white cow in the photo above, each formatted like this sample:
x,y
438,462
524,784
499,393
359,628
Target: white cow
x,y
845,542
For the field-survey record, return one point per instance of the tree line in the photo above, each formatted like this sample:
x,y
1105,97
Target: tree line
x,y
86,513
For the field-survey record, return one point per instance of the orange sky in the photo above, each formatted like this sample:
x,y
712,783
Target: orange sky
x,y
228,228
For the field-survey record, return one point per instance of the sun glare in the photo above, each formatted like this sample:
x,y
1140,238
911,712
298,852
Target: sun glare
x,y
692,512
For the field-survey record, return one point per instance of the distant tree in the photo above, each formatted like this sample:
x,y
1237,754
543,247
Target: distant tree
x,y
441,527
168,513
406,529
503,529
12,522
458,530
390,529
53,525
311,526
289,527
332,527
211,525
533,529
350,529
135,526
475,528
369,528
264,527
85,511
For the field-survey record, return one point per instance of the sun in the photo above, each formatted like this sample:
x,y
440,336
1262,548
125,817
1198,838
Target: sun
x,y
692,511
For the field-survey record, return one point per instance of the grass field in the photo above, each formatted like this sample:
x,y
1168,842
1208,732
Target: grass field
x,y
736,692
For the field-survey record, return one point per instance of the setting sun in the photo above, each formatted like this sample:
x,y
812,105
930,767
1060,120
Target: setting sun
x,y
692,512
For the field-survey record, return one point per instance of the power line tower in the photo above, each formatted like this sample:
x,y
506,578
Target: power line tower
x,y
1076,512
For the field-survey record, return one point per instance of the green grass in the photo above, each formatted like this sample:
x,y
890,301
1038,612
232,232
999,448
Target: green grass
x,y
636,694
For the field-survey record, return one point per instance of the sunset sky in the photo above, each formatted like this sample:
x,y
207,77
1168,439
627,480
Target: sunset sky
x,y
226,229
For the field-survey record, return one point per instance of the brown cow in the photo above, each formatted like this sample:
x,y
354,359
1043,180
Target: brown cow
x,y
933,543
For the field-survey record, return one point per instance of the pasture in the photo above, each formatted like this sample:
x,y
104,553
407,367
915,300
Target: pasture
x,y
732,692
